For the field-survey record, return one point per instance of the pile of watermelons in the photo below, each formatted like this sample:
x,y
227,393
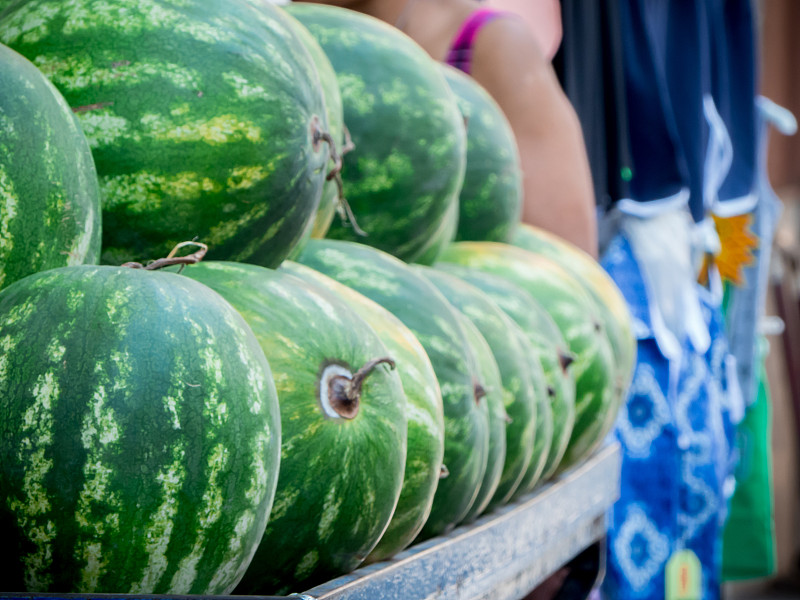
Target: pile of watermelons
x,y
203,400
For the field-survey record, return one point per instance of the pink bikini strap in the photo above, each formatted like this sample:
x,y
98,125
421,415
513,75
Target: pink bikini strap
x,y
460,54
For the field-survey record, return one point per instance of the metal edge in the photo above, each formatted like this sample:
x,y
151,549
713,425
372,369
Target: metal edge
x,y
606,458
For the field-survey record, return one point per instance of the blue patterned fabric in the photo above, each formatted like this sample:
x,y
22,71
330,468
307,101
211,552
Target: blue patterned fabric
x,y
676,431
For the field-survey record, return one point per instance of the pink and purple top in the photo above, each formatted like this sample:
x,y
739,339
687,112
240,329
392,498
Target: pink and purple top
x,y
460,53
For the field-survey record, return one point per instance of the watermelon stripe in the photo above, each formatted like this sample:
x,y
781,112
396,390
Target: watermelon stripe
x,y
100,433
37,428
159,530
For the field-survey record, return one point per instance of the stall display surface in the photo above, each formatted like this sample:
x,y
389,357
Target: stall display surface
x,y
501,556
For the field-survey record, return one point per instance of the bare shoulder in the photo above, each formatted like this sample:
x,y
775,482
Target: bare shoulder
x,y
508,61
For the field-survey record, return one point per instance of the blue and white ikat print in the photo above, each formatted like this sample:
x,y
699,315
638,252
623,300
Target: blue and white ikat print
x,y
641,549
676,432
645,414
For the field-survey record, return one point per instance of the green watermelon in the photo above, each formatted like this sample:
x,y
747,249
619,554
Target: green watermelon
x,y
441,238
597,282
49,196
141,435
423,309
205,119
425,446
518,391
491,393
343,426
490,204
329,203
554,385
578,318
407,168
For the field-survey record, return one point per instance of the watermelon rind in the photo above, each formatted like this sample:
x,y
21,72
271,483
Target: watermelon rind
x,y
579,320
407,168
425,447
141,435
425,311
518,391
554,386
203,119
49,193
609,299
340,477
490,392
329,202
490,203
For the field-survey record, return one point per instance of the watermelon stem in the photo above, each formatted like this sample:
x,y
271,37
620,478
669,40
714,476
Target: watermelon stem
x,y
343,208
363,372
565,360
171,259
344,390
348,145
479,391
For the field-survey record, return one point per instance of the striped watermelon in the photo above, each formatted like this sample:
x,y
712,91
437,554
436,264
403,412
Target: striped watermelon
x,y
554,386
491,393
329,202
423,309
141,435
577,317
518,391
204,118
490,204
343,437
425,446
49,196
407,167
441,238
598,283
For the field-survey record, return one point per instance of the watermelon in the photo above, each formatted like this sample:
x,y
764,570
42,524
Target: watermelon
x,y
434,322
49,195
329,202
517,386
490,204
554,386
576,315
425,446
205,118
613,307
141,435
343,426
491,393
441,238
407,168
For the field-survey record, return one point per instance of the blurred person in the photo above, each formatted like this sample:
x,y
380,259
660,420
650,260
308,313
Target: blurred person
x,y
543,18
500,52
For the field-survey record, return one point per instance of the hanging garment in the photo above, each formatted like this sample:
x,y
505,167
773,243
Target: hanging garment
x,y
749,538
677,432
